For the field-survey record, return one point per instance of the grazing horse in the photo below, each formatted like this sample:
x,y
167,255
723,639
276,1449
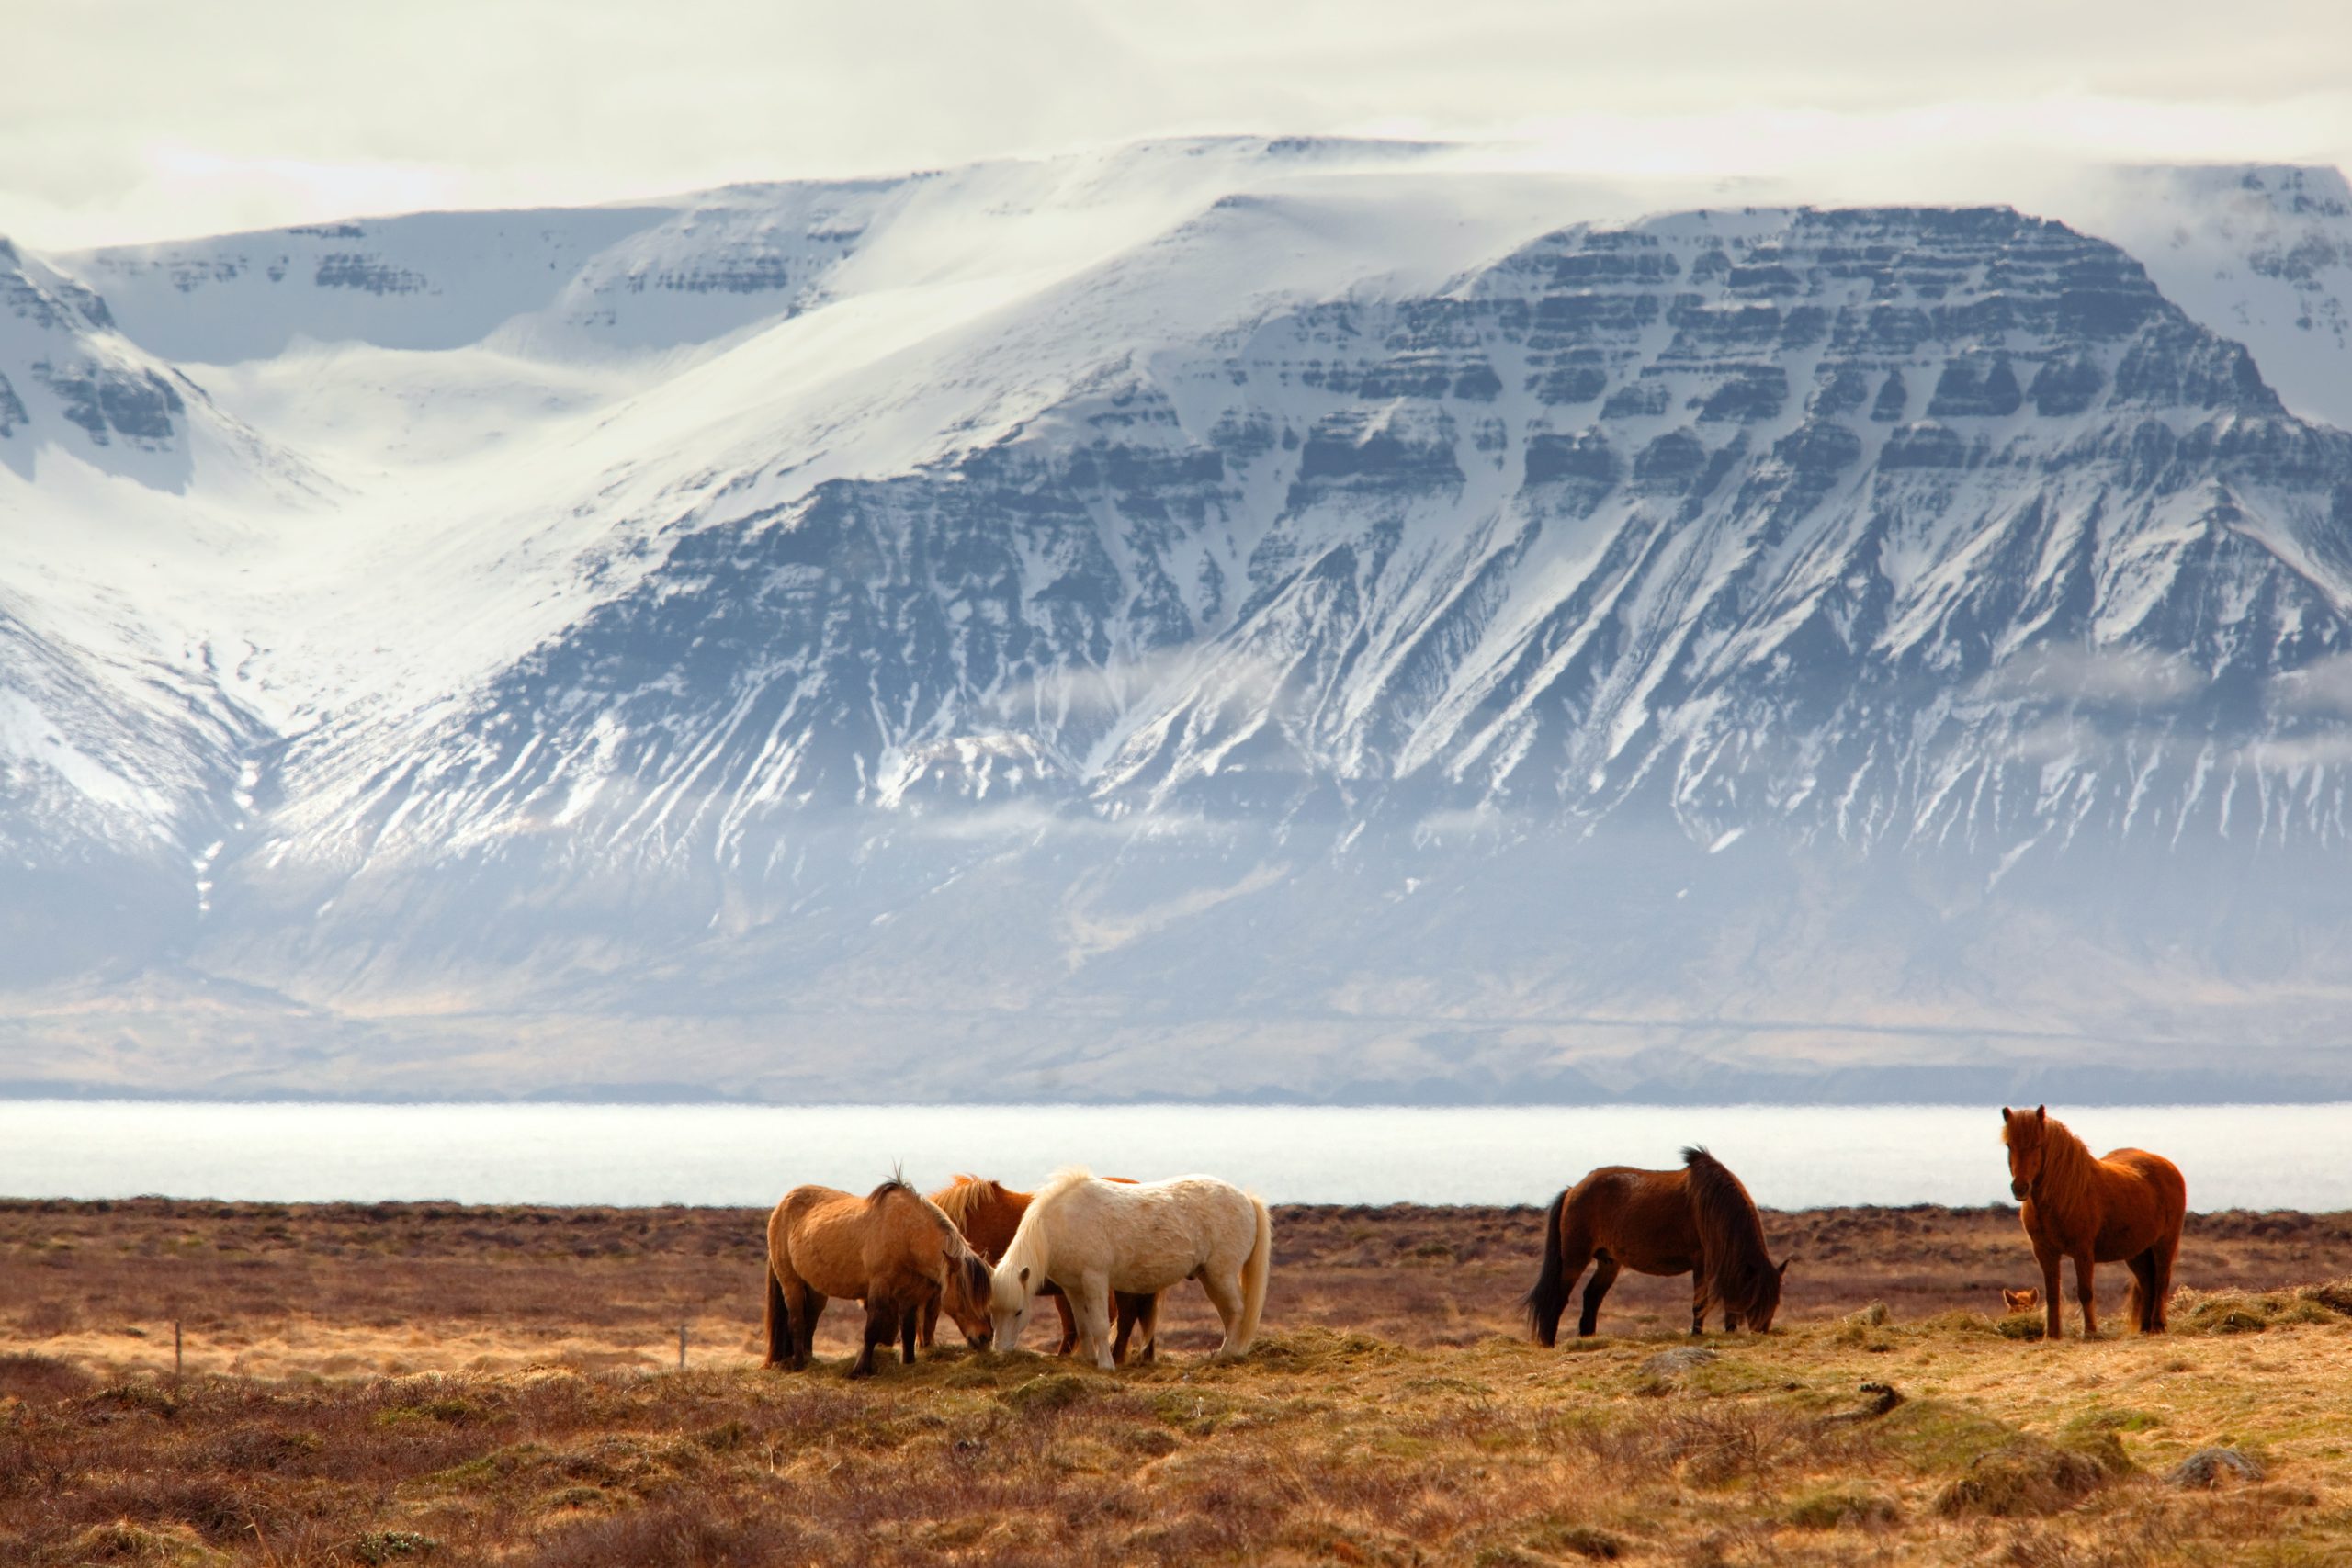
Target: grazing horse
x,y
1697,1220
989,1212
2125,1208
891,1249
1091,1237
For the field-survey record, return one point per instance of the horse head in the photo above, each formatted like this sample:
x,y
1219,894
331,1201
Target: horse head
x,y
2023,1134
966,1298
1764,1296
1009,1297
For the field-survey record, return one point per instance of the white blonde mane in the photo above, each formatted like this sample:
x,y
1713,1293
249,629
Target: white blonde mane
x,y
1029,1248
1059,1182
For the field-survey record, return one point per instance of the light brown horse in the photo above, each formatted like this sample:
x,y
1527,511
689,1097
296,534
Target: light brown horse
x,y
2125,1208
989,1212
891,1249
1697,1220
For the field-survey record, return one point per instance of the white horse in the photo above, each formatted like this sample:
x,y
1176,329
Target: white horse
x,y
1091,1237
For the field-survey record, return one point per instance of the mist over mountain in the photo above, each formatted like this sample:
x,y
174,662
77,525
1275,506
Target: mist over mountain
x,y
1220,619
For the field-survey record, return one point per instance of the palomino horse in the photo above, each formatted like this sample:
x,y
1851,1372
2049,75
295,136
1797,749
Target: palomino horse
x,y
2125,1208
1092,1237
989,1212
891,1249
1697,1220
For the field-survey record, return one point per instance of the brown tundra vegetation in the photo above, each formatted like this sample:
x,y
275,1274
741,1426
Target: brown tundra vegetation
x,y
440,1385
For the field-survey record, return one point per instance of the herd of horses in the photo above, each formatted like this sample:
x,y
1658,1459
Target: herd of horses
x,y
1104,1249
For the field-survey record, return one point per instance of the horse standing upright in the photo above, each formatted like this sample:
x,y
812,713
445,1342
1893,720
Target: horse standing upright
x,y
2124,1207
1092,1237
1697,1220
891,1249
989,1214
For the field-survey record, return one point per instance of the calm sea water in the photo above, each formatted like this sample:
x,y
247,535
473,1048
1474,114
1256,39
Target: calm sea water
x,y
2250,1156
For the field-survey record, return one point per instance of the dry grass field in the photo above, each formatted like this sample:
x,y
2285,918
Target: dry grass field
x,y
441,1385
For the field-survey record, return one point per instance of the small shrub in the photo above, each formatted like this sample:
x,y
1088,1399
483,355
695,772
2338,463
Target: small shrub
x,y
1827,1507
379,1547
1580,1540
1047,1391
2028,1477
41,1378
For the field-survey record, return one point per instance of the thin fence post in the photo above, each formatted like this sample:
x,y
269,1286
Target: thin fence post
x,y
682,1347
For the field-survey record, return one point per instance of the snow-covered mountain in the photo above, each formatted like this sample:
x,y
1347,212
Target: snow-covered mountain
x,y
1221,618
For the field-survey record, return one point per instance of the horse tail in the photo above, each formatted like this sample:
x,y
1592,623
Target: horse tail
x,y
779,1321
1254,1271
1549,1299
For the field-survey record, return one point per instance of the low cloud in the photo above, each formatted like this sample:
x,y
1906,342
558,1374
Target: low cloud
x,y
2128,677
2324,686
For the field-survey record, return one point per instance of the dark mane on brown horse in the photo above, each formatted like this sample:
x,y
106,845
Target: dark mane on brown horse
x,y
1697,1220
1731,1232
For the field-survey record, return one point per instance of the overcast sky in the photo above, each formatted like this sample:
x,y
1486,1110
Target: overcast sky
x,y
125,120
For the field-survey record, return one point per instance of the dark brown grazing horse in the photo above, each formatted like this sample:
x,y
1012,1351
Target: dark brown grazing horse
x,y
891,1249
2125,1208
987,1213
1697,1220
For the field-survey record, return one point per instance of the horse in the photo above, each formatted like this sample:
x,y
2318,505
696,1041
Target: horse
x,y
891,1249
1092,1236
1697,1220
987,1213
2125,1207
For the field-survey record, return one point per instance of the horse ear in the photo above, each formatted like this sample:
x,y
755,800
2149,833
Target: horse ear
x,y
1783,1270
2041,1113
2005,1114
1024,1276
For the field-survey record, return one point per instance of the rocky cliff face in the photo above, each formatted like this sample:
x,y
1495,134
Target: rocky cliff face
x,y
1854,652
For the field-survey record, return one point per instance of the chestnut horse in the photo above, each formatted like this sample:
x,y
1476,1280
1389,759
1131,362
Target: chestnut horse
x,y
989,1212
1697,1220
891,1249
2123,1208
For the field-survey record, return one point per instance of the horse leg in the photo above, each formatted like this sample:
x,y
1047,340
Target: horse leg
x,y
2084,1266
1125,1309
1702,1296
2161,1256
1604,1274
930,1325
1225,1295
881,1326
1069,1324
1147,1318
1092,1305
804,1319
907,1326
789,1310
2052,1296
2144,1291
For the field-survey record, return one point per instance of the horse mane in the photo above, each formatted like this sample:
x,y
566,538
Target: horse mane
x,y
963,1194
2069,1169
1730,1231
1028,1240
1061,1181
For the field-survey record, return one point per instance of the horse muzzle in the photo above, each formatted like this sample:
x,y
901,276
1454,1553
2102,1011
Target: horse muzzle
x,y
2020,1190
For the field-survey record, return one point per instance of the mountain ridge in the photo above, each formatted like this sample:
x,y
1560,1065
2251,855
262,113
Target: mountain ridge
x,y
1642,653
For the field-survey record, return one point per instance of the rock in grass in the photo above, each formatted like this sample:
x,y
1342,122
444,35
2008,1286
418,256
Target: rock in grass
x,y
2208,1467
